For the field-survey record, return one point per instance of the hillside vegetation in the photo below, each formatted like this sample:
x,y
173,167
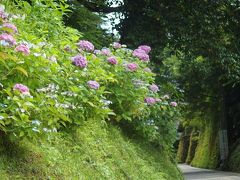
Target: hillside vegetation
x,y
69,111
96,151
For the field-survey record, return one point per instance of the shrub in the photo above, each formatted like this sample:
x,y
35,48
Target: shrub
x,y
50,82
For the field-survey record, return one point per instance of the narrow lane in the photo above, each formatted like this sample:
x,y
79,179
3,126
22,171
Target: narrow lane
x,y
192,173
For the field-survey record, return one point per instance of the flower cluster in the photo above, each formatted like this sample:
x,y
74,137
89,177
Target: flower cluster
x,y
142,53
52,88
93,84
112,60
3,15
106,52
86,45
7,38
150,100
23,48
79,61
116,45
10,26
174,104
154,88
145,48
65,105
21,88
132,67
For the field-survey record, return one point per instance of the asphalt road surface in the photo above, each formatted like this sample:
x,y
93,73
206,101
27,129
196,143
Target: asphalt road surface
x,y
192,173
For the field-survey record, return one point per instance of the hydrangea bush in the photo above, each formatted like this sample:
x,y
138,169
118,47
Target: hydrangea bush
x,y
51,84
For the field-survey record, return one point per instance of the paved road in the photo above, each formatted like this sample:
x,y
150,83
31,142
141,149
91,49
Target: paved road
x,y
191,173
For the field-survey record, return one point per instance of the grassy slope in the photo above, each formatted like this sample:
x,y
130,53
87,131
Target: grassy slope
x,y
94,152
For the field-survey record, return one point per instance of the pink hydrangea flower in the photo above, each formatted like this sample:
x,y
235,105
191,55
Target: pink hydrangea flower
x,y
93,84
8,38
21,88
132,66
141,54
150,100
117,45
143,57
86,45
10,26
154,88
174,104
145,48
112,60
23,48
138,51
106,52
79,61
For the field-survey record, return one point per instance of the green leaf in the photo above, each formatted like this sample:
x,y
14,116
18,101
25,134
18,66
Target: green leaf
x,y
22,70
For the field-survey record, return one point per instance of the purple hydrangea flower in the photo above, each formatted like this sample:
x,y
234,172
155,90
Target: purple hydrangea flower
x,y
8,38
143,57
117,45
154,88
10,26
93,84
79,61
141,54
106,52
86,45
174,104
138,51
21,88
132,66
145,48
112,60
150,100
23,48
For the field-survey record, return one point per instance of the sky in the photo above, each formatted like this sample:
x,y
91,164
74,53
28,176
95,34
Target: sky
x,y
112,18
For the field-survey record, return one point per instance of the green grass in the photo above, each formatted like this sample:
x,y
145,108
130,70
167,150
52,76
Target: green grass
x,y
95,151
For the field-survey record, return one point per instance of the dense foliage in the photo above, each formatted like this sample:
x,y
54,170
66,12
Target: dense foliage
x,y
51,81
